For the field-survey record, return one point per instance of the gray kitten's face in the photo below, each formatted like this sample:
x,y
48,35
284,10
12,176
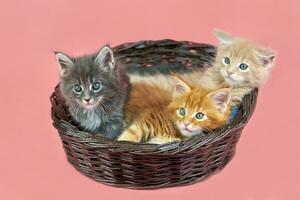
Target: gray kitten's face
x,y
87,94
88,80
87,89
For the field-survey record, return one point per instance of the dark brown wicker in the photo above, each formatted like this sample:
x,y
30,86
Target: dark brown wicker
x,y
147,166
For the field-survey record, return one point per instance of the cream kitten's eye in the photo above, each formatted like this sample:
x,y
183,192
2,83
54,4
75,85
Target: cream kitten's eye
x,y
243,66
199,116
181,111
226,61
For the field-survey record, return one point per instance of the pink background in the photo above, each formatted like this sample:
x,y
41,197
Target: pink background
x,y
33,164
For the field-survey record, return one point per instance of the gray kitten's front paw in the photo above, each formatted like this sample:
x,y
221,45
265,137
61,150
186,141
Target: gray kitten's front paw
x,y
112,130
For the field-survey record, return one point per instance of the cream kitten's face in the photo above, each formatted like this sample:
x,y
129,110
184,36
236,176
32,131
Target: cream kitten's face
x,y
243,63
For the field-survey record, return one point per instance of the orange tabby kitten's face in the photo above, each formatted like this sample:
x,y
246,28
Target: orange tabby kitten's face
x,y
241,62
193,110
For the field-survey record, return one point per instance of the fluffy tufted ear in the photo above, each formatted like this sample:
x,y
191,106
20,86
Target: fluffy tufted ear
x,y
266,56
105,59
223,37
181,87
65,63
221,98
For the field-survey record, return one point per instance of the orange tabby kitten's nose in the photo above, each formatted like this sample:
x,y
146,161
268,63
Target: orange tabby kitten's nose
x,y
186,124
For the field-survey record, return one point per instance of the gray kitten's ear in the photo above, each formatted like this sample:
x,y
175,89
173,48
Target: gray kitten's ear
x,y
266,56
223,37
65,63
105,59
181,87
221,98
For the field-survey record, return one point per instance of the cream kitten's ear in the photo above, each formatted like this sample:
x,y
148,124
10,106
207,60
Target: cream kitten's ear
x,y
223,37
181,87
105,58
267,57
65,63
221,98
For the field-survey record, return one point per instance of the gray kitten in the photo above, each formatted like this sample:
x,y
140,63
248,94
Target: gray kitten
x,y
95,89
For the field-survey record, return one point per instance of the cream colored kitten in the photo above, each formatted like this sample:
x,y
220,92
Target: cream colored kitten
x,y
240,64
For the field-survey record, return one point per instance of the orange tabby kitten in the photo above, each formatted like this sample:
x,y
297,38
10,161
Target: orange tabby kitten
x,y
240,64
157,116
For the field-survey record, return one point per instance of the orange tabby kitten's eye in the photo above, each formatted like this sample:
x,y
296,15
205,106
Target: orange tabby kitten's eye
x,y
199,116
226,61
181,112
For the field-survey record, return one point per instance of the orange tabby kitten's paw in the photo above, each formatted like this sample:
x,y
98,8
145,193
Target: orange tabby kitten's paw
x,y
133,134
162,140
128,135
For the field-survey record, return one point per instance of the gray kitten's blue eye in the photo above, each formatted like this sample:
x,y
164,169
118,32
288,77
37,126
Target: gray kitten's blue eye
x,y
77,88
199,115
226,61
181,111
96,86
243,66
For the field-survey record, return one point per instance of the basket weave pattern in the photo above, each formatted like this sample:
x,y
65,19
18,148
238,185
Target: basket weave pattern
x,y
148,166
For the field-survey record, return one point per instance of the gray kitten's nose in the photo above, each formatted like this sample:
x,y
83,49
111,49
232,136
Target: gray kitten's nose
x,y
87,100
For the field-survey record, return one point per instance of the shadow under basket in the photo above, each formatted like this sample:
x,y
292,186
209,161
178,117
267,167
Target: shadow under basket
x,y
149,166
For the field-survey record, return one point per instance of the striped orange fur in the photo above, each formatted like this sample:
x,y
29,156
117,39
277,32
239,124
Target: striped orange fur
x,y
155,115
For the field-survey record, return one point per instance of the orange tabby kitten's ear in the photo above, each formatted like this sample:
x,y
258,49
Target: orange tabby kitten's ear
x,y
221,98
223,37
181,87
266,56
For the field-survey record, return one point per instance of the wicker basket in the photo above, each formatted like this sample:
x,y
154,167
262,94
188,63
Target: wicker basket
x,y
148,166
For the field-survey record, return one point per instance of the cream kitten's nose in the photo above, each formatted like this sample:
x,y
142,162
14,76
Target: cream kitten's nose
x,y
229,73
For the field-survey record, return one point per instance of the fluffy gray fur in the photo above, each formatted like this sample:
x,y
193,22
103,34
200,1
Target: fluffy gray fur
x,y
97,110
